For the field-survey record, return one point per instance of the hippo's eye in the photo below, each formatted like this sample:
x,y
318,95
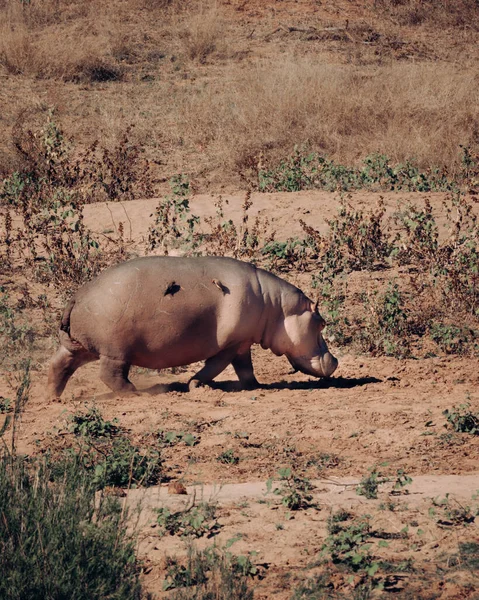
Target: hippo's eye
x,y
320,321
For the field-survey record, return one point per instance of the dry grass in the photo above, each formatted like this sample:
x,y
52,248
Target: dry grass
x,y
76,50
455,13
202,34
211,92
405,110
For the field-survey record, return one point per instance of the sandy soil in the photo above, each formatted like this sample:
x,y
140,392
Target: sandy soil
x,y
374,411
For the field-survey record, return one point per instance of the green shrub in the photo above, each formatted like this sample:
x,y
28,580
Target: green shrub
x,y
107,454
62,541
304,170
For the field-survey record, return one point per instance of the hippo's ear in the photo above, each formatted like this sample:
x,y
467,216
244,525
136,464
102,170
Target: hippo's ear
x,y
314,308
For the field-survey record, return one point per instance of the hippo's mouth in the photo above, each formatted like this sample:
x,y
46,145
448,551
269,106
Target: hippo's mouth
x,y
326,365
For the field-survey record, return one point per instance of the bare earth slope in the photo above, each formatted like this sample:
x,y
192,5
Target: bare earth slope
x,y
374,411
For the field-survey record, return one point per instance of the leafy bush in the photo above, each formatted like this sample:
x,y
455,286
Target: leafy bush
x,y
62,541
386,328
107,454
174,225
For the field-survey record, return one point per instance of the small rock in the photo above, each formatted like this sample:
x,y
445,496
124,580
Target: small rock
x,y
176,487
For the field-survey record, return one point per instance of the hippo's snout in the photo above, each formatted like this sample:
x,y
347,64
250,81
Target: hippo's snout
x,y
329,364
318,366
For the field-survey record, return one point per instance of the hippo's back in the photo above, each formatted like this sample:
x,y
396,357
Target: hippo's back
x,y
151,306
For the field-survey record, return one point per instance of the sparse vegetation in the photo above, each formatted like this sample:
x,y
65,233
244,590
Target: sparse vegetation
x,y
294,490
347,543
462,419
228,457
211,573
106,454
369,484
193,521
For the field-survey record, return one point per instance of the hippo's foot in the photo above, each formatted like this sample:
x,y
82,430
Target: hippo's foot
x,y
194,383
62,366
213,367
243,367
114,373
252,384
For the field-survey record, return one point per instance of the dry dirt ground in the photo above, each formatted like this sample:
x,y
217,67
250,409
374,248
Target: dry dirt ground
x,y
374,411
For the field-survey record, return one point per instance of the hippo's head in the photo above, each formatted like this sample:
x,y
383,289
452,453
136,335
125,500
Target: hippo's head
x,y
306,349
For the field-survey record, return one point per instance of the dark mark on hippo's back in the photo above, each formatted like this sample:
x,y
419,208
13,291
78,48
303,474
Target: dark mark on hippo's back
x,y
124,318
173,288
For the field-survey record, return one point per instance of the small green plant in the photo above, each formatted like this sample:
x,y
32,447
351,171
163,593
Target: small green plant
x,y
193,521
452,339
347,544
462,419
369,484
402,481
295,491
171,438
92,424
228,457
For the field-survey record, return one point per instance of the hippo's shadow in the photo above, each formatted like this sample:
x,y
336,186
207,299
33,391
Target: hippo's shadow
x,y
235,386
322,384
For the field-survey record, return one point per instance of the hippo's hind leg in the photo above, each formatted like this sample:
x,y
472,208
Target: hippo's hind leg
x,y
243,367
213,367
115,374
63,365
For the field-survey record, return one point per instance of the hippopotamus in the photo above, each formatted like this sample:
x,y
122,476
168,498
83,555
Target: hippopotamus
x,y
161,311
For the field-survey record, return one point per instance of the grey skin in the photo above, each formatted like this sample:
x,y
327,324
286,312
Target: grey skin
x,y
158,312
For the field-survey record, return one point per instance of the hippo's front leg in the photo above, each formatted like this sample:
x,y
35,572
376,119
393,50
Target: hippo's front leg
x,y
243,367
213,367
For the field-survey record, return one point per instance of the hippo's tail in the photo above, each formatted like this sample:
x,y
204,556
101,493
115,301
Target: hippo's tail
x,y
65,337
65,323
